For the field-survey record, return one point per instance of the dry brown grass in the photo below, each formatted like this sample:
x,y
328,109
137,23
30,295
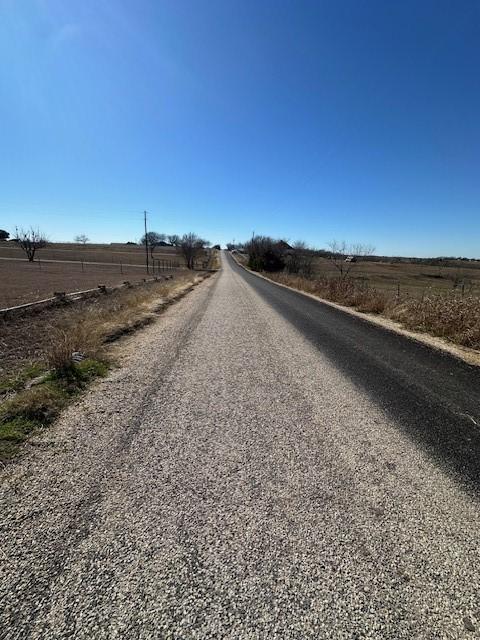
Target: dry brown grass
x,y
214,259
413,279
84,328
347,291
51,335
448,316
84,337
88,329
453,317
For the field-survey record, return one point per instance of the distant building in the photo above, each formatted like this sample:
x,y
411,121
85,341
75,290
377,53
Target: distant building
x,y
351,259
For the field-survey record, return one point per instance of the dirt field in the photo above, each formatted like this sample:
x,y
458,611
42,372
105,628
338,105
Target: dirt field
x,y
112,253
25,337
73,269
413,279
26,282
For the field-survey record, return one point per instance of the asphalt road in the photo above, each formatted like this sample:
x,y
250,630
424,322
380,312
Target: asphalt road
x,y
261,466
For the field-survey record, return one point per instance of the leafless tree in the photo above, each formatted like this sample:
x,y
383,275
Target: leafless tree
x,y
153,240
192,246
362,250
174,239
299,259
344,257
30,240
82,239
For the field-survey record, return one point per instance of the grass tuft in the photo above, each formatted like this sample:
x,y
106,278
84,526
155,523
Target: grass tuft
x,y
18,381
40,404
34,408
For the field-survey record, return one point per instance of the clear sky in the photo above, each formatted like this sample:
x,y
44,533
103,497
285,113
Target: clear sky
x,y
321,119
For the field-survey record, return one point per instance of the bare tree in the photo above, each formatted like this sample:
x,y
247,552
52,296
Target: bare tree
x,y
344,257
153,239
299,259
82,239
30,240
174,239
362,250
192,246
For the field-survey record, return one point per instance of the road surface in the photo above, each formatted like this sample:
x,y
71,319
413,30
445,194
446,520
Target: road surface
x,y
260,466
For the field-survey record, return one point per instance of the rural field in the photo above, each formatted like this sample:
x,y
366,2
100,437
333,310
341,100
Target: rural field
x,y
404,278
109,253
71,267
410,278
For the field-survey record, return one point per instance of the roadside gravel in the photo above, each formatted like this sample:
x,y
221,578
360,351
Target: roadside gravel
x,y
228,481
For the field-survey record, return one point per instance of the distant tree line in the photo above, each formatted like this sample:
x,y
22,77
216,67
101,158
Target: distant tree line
x,y
268,254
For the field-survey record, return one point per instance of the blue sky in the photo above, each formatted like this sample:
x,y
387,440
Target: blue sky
x,y
322,119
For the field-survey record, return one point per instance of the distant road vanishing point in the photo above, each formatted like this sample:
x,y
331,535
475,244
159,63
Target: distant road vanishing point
x,y
261,466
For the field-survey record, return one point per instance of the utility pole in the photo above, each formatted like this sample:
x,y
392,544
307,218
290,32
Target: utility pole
x,y
146,239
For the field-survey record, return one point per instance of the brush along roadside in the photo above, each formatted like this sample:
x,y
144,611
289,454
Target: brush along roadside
x,y
454,318
449,323
75,353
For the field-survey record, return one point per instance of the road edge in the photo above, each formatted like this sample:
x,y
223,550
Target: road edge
x,y
470,356
29,428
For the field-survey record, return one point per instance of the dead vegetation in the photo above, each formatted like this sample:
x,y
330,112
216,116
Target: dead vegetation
x,y
214,259
452,316
353,279
28,337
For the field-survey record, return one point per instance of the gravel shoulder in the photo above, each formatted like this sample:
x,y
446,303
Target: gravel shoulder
x,y
230,481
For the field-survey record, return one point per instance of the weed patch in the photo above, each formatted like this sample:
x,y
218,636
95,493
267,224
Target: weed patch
x,y
454,318
18,381
37,407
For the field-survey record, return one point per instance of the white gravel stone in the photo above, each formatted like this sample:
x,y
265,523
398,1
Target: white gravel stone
x,y
229,482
